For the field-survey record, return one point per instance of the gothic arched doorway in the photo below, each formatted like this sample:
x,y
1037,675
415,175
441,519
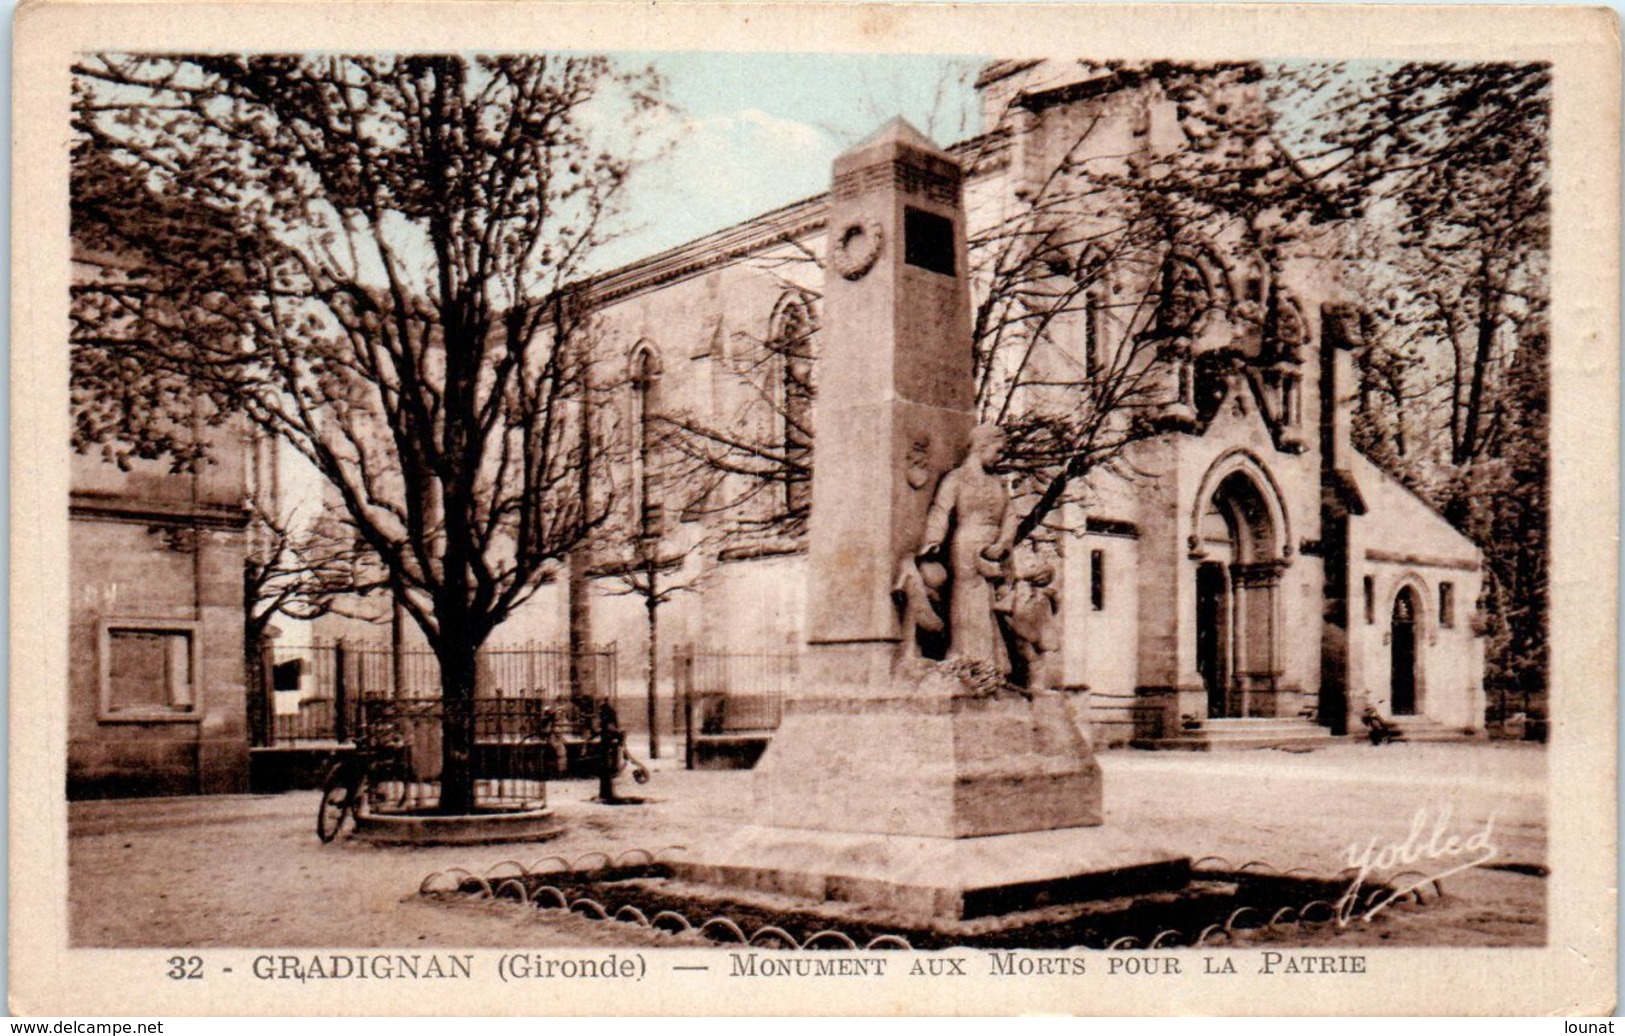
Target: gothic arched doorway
x,y
1235,598
1402,655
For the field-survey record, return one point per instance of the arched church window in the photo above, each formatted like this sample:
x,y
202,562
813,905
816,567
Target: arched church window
x,y
1094,361
646,403
790,339
1089,275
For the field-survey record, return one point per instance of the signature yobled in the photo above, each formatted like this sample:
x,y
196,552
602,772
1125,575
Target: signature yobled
x,y
1420,843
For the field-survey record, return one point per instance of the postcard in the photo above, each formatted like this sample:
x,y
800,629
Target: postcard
x,y
814,509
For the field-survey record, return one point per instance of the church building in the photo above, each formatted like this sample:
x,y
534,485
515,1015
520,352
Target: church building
x,y
1231,572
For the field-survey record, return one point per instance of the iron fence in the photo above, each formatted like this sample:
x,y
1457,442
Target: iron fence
x,y
727,693
517,747
313,692
1515,712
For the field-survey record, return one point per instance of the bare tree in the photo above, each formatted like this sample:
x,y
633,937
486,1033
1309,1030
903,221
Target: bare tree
x,y
385,284
1457,272
295,570
657,581
642,552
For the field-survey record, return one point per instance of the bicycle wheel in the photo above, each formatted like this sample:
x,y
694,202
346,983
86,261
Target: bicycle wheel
x,y
338,798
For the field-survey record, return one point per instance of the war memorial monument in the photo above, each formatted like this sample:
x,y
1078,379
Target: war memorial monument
x,y
923,767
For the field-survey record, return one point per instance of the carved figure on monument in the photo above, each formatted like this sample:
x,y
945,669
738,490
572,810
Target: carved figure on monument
x,y
1030,608
971,513
918,593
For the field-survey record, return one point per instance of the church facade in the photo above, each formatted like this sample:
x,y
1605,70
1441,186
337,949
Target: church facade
x,y
1232,571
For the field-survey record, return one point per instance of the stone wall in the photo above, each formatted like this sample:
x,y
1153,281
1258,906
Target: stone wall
x,y
157,703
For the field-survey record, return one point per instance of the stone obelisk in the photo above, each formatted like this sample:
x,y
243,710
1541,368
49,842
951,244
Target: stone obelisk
x,y
895,395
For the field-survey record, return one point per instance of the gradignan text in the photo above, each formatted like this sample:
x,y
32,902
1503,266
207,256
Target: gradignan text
x,y
363,966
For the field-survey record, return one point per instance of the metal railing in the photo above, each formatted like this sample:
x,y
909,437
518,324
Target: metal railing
x,y
724,693
518,746
1513,712
328,681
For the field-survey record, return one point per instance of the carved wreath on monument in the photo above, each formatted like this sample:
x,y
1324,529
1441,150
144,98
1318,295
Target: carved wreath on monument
x,y
857,246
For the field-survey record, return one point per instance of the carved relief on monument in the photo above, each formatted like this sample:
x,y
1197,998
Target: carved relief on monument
x,y
1030,609
965,597
856,247
918,468
917,178
972,525
867,180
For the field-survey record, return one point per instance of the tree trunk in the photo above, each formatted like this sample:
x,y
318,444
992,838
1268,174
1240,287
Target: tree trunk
x,y
651,605
258,688
457,652
1484,341
583,682
1050,499
397,646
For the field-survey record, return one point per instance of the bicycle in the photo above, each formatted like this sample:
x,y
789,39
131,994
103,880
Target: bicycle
x,y
354,780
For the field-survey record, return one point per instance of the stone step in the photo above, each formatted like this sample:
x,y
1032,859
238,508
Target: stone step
x,y
1271,728
1425,730
1192,744
1241,722
1243,734
1258,735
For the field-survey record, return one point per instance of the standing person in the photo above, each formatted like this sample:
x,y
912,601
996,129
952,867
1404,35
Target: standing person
x,y
610,740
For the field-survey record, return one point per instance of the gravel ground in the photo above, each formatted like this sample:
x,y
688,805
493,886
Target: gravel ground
x,y
249,871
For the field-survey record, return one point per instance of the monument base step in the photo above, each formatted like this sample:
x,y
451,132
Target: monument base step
x,y
729,751
942,879
924,756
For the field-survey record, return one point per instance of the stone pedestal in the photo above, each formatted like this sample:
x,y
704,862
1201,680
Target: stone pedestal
x,y
931,758
942,880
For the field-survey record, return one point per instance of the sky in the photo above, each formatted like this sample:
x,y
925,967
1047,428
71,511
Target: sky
x,y
752,132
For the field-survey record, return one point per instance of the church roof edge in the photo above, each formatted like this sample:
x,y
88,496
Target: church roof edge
x,y
739,239
710,250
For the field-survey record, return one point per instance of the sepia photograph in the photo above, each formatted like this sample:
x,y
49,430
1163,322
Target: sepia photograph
x,y
732,516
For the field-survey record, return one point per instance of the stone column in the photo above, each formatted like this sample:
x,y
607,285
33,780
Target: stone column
x,y
1342,680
